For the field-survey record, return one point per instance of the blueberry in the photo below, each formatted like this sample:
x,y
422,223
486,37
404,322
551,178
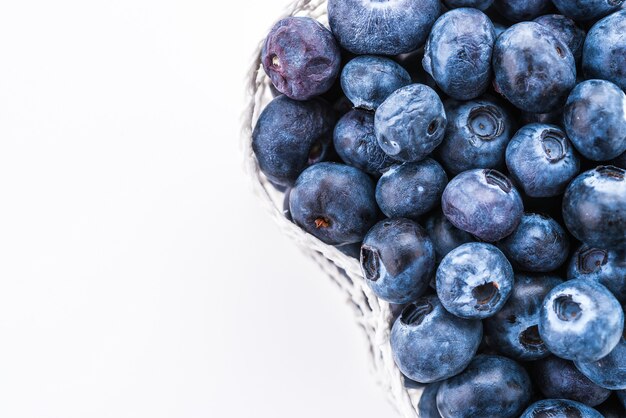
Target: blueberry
x,y
429,344
410,124
301,57
560,408
475,4
551,118
541,160
533,68
514,331
356,143
291,135
368,80
411,189
603,266
581,321
382,27
427,406
560,379
604,53
594,207
458,53
499,28
610,371
351,250
491,386
484,203
477,134
566,30
445,236
474,280
585,10
520,10
334,202
538,244
397,260
595,119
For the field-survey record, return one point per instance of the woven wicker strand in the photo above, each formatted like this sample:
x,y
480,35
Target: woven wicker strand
x,y
371,314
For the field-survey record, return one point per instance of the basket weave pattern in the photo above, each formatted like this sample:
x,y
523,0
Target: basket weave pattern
x,y
371,314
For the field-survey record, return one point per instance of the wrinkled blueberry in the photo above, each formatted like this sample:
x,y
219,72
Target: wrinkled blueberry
x,y
560,379
427,406
581,321
587,9
290,136
476,136
410,124
411,189
475,4
491,386
356,143
458,53
368,80
520,10
301,57
541,160
594,207
610,371
474,280
565,29
484,203
334,202
604,53
430,344
397,260
513,331
533,68
595,119
603,266
388,27
445,236
538,244
560,408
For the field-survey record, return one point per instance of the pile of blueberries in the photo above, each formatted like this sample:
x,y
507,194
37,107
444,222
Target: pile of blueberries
x,y
472,155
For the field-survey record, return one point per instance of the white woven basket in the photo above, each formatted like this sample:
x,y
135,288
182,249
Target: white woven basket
x,y
373,315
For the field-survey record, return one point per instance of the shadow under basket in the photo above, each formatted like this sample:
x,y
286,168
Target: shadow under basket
x,y
371,314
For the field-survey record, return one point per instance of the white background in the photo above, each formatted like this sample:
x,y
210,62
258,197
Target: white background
x,y
138,275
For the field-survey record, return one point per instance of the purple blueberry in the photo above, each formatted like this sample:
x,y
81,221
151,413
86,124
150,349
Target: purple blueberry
x,y
474,280
595,119
604,53
541,160
477,134
334,202
411,189
539,244
560,408
458,53
491,386
429,344
445,236
560,379
356,143
602,266
610,371
368,80
565,29
585,10
520,10
301,57
594,207
410,124
514,330
397,260
291,135
484,203
533,68
581,321
382,27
